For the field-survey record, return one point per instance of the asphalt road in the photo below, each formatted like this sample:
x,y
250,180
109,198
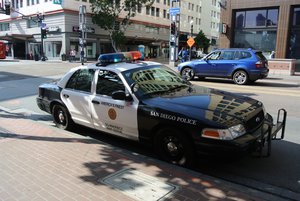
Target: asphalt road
x,y
278,173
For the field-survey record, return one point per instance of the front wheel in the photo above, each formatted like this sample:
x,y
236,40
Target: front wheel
x,y
173,147
188,73
61,117
240,77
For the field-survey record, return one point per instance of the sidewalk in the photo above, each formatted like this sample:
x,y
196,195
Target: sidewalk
x,y
41,162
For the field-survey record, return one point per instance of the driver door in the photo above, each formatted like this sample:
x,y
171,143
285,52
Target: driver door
x,y
118,117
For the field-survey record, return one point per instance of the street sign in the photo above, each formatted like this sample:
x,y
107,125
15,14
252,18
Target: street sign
x,y
174,11
190,42
58,2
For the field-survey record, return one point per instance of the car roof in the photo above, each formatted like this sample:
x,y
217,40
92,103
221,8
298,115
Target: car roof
x,y
238,49
116,67
124,66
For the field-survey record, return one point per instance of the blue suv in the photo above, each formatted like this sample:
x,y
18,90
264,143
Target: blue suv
x,y
243,66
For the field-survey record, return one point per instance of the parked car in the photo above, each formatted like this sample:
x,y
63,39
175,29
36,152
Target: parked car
x,y
150,103
243,66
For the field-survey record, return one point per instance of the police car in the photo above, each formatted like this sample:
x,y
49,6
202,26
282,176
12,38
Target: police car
x,y
150,103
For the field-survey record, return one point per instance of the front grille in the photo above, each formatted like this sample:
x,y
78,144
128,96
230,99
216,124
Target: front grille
x,y
253,123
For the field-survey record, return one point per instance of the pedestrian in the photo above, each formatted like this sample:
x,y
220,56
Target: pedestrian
x,y
82,57
72,55
184,54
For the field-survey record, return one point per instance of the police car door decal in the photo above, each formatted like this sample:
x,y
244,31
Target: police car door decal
x,y
118,117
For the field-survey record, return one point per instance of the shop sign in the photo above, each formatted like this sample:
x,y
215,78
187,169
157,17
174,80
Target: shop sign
x,y
53,28
58,2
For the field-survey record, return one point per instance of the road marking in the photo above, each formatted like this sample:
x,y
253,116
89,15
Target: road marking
x,y
252,89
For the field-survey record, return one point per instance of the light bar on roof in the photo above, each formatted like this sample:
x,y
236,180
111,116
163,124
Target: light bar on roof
x,y
111,58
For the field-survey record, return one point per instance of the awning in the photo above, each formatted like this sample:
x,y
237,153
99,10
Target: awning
x,y
16,37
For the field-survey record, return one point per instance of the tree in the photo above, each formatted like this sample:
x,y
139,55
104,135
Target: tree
x,y
114,17
202,41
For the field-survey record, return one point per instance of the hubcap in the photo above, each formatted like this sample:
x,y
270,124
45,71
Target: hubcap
x,y
61,117
188,73
240,78
172,146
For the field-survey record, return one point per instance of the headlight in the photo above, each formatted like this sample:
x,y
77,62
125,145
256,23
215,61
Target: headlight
x,y
224,134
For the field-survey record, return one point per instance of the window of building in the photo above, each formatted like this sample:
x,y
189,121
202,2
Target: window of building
x,y
157,12
139,9
152,11
294,35
165,2
256,29
32,23
32,2
21,3
28,2
4,26
157,1
165,13
147,10
37,1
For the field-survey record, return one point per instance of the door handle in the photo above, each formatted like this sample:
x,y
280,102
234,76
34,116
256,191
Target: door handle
x,y
66,95
95,102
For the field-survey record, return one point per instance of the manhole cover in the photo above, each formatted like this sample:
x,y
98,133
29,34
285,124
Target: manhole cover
x,y
139,186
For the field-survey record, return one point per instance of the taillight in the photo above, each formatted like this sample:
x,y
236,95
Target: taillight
x,y
258,64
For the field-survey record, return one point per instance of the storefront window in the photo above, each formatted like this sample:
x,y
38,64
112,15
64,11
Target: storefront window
x,y
294,44
272,17
256,29
255,18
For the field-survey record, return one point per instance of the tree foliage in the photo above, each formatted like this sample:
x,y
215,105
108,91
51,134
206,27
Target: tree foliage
x,y
202,41
114,17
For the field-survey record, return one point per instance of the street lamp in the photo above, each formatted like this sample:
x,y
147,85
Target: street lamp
x,y
191,22
40,18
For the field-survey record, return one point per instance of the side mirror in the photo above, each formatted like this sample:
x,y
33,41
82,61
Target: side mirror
x,y
121,95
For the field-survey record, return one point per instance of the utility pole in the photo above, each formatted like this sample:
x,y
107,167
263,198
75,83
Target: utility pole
x,y
82,32
174,31
43,26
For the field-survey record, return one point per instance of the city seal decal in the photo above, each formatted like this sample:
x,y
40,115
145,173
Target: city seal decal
x,y
112,113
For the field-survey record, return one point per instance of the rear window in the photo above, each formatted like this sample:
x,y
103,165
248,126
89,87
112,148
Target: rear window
x,y
260,56
245,55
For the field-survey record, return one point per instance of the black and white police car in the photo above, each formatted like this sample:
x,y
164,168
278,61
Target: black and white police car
x,y
150,103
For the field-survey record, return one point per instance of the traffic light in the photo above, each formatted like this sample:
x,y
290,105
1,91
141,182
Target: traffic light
x,y
173,28
7,8
79,33
44,33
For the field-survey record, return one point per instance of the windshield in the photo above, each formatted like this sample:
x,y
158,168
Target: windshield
x,y
154,80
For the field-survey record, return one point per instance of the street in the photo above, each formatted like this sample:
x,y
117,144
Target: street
x,y
279,173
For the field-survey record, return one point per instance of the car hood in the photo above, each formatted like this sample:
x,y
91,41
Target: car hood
x,y
209,106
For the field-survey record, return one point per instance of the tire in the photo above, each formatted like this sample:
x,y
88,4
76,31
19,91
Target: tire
x,y
240,77
173,147
188,73
61,117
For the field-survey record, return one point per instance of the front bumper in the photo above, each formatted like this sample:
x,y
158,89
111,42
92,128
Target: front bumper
x,y
250,142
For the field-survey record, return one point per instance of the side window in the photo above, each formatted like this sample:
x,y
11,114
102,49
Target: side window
x,y
81,80
108,82
214,56
245,55
227,55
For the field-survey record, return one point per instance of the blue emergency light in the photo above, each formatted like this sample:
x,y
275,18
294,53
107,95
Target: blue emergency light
x,y
111,58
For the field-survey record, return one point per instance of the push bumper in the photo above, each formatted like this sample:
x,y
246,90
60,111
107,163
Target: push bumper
x,y
255,142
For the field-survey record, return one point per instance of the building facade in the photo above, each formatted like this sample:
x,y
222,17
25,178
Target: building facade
x,y
150,28
269,25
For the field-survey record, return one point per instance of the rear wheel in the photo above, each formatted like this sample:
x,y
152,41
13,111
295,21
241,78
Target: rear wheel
x,y
174,148
188,73
61,117
240,77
